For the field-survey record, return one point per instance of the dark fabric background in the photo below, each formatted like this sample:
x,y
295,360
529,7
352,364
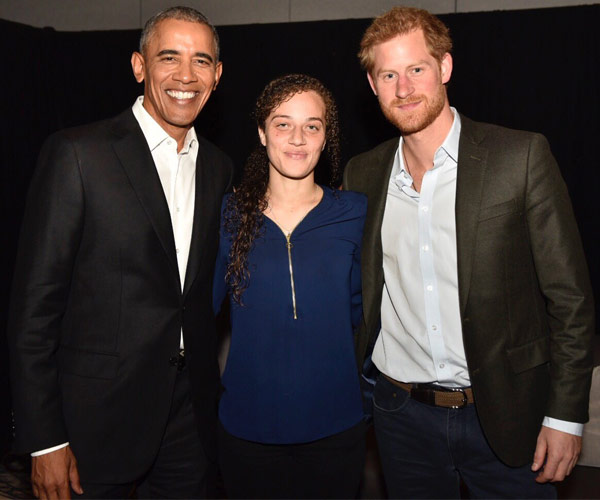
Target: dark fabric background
x,y
531,69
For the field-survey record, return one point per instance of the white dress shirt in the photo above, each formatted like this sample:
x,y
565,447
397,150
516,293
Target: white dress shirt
x,y
421,335
177,172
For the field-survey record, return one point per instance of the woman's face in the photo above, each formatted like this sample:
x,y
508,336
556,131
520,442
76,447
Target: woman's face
x,y
294,136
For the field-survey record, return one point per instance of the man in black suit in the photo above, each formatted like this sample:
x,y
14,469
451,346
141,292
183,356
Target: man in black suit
x,y
114,278
476,294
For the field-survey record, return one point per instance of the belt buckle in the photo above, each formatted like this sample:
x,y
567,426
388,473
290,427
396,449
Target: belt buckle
x,y
465,399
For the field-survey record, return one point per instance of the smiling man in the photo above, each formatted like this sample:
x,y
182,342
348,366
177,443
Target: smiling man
x,y
476,294
113,346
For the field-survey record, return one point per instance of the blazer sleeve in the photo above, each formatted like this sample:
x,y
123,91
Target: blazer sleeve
x,y
564,281
219,284
50,236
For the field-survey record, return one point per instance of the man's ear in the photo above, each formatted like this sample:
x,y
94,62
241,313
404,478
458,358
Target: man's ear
x,y
371,83
137,65
446,67
218,73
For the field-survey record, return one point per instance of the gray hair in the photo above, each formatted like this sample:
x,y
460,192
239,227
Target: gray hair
x,y
181,14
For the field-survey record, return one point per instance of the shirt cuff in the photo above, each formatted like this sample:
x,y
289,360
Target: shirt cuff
x,y
564,426
49,450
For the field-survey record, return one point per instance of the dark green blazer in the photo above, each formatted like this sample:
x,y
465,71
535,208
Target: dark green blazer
x,y
525,299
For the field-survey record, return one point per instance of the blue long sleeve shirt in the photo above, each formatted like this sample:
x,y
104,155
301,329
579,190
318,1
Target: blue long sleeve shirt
x,y
292,378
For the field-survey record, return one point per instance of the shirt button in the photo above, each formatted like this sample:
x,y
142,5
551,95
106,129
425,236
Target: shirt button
x,y
178,209
442,365
425,248
429,288
434,327
169,142
425,208
177,250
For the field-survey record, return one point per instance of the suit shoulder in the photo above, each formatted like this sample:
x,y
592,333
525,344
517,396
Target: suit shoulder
x,y
381,151
498,135
95,132
213,150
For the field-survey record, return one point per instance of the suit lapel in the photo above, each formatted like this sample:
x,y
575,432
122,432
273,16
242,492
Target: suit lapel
x,y
472,165
136,159
375,175
205,192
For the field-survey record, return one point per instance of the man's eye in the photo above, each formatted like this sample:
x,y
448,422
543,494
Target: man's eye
x,y
388,76
313,128
202,62
281,125
417,70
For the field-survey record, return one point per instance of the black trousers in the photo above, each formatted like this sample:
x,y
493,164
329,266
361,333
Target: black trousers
x,y
180,470
331,467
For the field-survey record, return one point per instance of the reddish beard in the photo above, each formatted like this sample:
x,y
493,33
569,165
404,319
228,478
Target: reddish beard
x,y
411,122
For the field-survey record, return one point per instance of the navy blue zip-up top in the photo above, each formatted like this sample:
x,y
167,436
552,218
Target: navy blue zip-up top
x,y
291,374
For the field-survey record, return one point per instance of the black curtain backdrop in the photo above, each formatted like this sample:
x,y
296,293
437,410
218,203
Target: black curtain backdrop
x,y
529,69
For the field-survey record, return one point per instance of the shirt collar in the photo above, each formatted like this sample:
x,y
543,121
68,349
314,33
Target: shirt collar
x,y
450,144
155,135
449,147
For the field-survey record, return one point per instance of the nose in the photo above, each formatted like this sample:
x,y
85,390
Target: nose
x,y
404,87
297,137
185,73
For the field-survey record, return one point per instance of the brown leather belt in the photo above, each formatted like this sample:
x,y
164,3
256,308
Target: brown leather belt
x,y
436,395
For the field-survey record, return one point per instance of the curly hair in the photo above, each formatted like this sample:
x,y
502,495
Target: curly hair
x,y
245,207
401,21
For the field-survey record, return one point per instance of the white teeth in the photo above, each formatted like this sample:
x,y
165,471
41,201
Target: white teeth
x,y
178,94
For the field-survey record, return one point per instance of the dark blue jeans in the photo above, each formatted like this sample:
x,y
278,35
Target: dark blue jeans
x,y
426,450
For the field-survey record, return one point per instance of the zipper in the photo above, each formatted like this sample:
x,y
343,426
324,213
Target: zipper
x,y
289,246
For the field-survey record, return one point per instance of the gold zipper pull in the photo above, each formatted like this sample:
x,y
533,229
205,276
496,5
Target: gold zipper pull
x,y
289,249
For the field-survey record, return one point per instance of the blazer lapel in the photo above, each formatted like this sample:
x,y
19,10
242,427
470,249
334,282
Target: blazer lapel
x,y
205,192
472,165
375,176
136,159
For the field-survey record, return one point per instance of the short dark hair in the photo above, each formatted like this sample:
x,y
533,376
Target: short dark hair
x,y
181,14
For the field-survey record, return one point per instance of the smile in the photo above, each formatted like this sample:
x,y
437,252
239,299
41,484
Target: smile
x,y
409,106
296,155
181,95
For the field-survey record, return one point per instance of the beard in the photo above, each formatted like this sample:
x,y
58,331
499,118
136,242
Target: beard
x,y
411,122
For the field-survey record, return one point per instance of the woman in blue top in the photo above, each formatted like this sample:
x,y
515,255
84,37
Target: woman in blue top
x,y
291,412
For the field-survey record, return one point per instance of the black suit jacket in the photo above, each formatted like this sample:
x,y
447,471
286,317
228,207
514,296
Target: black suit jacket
x,y
525,298
97,307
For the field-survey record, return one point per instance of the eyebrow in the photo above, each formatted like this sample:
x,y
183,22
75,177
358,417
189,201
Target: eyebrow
x,y
421,62
172,52
309,119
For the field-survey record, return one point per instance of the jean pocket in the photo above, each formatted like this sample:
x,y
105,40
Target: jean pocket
x,y
389,398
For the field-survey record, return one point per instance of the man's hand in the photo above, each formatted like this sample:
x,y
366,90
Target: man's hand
x,y
53,473
559,450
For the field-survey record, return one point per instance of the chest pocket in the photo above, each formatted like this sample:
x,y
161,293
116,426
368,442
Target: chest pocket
x,y
504,208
